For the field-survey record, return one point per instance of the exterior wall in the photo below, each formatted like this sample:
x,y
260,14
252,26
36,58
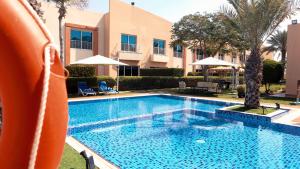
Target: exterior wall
x,y
79,19
127,19
293,68
122,18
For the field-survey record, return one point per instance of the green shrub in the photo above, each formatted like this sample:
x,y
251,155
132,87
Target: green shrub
x,y
272,73
159,82
195,74
162,72
81,71
241,91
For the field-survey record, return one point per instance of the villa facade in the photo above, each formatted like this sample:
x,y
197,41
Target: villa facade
x,y
128,33
293,68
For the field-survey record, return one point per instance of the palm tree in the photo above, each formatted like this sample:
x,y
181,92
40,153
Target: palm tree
x,y
278,42
257,19
62,6
37,7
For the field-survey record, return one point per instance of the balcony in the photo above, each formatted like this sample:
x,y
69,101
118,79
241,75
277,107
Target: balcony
x,y
129,52
159,58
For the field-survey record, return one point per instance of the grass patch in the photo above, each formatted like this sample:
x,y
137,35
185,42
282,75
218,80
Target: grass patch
x,y
259,111
71,159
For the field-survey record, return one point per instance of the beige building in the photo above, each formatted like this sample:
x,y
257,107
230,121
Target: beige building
x,y
135,36
293,60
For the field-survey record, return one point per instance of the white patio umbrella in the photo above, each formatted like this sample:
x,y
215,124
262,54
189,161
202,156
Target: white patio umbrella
x,y
211,61
100,60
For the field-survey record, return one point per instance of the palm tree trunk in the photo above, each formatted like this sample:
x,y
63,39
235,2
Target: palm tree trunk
x,y
253,77
61,41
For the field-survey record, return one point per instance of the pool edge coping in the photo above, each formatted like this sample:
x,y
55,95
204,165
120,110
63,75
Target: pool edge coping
x,y
99,161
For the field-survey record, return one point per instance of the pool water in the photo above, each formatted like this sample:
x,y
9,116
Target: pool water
x,y
189,139
86,112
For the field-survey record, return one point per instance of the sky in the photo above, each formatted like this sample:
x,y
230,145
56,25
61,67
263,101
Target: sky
x,y
171,10
174,10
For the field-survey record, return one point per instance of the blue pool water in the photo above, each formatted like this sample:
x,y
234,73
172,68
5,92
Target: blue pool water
x,y
185,139
108,109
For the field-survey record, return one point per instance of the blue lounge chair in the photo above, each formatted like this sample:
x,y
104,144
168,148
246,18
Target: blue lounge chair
x,y
104,88
84,90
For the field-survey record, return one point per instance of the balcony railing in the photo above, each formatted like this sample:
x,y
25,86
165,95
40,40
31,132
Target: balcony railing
x,y
128,47
76,44
86,45
159,51
200,57
178,54
81,44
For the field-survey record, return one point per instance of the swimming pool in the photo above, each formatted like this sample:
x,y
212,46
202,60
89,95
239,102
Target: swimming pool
x,y
189,138
87,112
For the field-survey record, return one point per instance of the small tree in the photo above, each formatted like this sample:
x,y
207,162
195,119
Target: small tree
x,y
62,6
258,19
278,42
272,73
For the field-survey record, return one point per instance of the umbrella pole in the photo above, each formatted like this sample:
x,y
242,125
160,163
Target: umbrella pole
x,y
118,67
118,78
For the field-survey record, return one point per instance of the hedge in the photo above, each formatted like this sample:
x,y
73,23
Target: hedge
x,y
91,81
159,82
81,71
178,72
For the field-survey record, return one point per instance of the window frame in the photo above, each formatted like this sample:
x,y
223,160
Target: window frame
x,y
81,39
176,52
157,50
128,44
123,68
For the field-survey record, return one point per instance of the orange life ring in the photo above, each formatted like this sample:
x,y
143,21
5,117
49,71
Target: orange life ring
x,y
23,84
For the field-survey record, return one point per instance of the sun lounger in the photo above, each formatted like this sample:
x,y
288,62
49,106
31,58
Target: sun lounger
x,y
84,90
182,85
207,86
105,89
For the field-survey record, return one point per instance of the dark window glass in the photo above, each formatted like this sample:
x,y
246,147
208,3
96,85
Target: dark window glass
x,y
159,46
132,40
124,38
177,50
87,40
135,70
128,43
200,54
121,70
81,39
127,70
75,34
75,39
87,36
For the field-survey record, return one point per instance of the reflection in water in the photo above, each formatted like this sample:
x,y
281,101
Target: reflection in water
x,y
186,141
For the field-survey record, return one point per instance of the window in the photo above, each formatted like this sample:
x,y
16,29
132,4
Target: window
x,y
221,56
81,39
233,59
129,71
242,58
159,47
177,50
128,43
199,54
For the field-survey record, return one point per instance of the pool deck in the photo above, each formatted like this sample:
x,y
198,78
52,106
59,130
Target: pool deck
x,y
291,118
